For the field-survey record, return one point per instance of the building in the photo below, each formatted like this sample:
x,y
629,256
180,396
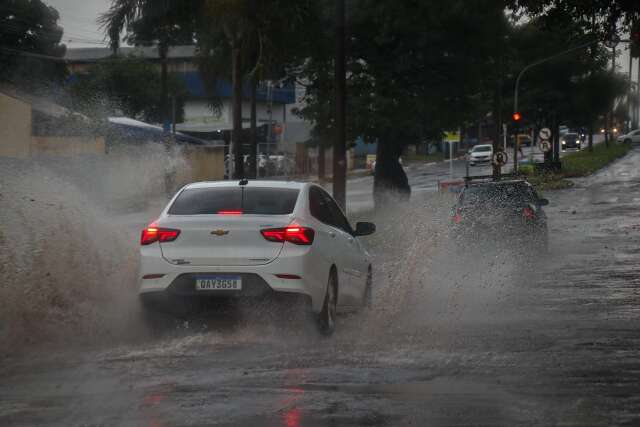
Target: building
x,y
274,102
34,126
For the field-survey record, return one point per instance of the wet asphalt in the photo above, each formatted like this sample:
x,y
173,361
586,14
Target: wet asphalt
x,y
499,335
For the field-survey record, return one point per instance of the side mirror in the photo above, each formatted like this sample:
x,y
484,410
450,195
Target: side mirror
x,y
543,202
365,228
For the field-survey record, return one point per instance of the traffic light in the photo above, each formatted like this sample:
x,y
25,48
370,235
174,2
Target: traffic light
x,y
635,39
516,117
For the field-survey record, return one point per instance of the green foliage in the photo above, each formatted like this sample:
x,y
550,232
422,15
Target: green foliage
x,y
165,22
28,29
586,162
129,85
579,164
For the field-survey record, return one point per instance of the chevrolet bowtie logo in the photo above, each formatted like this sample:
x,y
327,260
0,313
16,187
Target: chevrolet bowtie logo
x,y
220,232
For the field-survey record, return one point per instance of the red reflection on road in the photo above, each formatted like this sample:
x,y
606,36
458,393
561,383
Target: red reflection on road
x,y
292,417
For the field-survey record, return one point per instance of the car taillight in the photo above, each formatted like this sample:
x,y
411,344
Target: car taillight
x,y
230,212
528,213
154,234
293,234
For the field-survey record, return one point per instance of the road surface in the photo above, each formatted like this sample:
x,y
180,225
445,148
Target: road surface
x,y
502,338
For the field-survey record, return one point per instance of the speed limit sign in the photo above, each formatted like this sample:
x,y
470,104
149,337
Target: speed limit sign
x,y
545,146
500,158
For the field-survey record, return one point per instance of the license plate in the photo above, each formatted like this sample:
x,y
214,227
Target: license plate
x,y
219,283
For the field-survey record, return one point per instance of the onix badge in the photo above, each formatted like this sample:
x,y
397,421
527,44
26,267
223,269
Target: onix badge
x,y
220,232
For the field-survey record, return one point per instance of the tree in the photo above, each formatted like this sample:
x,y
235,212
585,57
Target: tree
x,y
412,74
127,85
148,22
30,49
260,41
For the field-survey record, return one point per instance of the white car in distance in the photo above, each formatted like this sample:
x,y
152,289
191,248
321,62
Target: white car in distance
x,y
255,239
480,154
631,137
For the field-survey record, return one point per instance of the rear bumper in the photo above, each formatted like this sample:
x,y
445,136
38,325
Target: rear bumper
x,y
258,282
476,160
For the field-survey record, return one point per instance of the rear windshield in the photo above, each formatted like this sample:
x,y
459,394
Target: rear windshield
x,y
500,195
235,200
485,148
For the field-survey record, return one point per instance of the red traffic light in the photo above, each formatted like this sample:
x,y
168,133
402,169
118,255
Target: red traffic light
x,y
516,117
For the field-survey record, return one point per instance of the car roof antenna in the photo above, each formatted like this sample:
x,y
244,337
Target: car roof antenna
x,y
243,181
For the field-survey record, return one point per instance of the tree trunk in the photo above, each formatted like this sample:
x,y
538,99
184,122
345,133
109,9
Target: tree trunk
x,y
339,144
253,158
236,135
321,161
497,118
164,91
390,182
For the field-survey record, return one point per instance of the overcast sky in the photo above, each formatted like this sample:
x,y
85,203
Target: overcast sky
x,y
78,18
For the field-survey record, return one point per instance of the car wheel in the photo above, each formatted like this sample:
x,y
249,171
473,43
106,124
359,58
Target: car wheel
x,y
627,141
367,301
327,317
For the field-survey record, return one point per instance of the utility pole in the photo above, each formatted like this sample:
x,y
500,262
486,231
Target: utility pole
x,y
339,144
629,94
637,94
609,131
173,114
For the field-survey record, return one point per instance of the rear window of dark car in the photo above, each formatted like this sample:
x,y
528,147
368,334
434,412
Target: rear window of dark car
x,y
235,200
482,149
500,195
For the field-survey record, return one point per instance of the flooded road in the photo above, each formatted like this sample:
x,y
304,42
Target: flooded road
x,y
497,337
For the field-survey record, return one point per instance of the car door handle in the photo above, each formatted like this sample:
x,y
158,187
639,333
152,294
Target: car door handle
x,y
332,234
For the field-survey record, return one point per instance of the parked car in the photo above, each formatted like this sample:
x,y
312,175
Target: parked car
x,y
254,240
480,154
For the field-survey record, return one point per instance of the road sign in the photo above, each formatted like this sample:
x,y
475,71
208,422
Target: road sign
x,y
545,133
452,136
545,146
500,158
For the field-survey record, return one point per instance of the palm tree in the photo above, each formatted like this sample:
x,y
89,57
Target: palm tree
x,y
148,22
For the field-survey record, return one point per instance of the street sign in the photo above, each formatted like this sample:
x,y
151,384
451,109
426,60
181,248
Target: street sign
x,y
452,136
545,146
500,158
545,133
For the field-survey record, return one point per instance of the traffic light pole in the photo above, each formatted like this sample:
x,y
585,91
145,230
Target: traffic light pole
x,y
542,61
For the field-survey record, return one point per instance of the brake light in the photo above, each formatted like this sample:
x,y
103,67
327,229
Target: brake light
x,y
233,212
293,234
154,234
528,213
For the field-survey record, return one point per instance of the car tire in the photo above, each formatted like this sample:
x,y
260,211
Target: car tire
x,y
327,317
367,300
627,141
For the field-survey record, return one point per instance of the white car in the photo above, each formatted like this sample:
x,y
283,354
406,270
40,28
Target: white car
x,y
631,137
481,154
255,239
